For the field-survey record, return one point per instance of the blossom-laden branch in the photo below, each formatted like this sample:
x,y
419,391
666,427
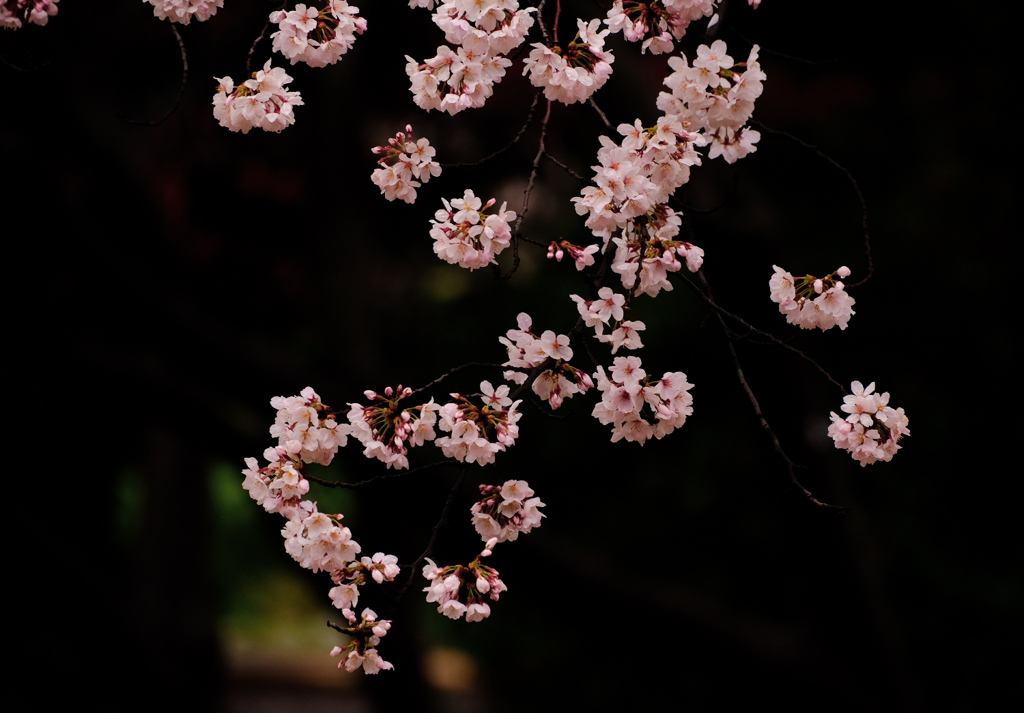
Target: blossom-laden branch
x,y
706,110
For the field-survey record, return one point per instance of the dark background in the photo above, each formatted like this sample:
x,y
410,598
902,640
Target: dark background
x,y
169,279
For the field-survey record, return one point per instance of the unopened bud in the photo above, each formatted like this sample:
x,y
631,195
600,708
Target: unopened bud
x,y
818,286
844,271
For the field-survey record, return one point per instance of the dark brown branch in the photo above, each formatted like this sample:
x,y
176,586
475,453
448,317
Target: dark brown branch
x,y
452,371
442,521
519,135
760,416
565,168
724,312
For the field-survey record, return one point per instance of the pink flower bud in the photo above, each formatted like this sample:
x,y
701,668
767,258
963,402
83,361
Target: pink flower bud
x,y
844,271
818,286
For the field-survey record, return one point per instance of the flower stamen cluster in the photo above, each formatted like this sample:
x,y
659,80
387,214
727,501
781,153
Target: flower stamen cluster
x,y
404,163
387,430
872,430
812,302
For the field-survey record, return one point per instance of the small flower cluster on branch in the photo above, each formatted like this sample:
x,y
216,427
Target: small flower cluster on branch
x,y
716,96
506,510
184,11
656,23
483,31
461,589
873,429
318,37
361,652
466,234
405,162
263,101
526,351
574,73
630,398
811,302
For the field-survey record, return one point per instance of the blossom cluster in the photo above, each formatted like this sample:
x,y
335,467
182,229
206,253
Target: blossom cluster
x,y
461,589
306,429
506,510
184,11
483,31
307,432
404,163
262,101
715,95
528,351
361,652
318,37
607,310
628,202
466,234
872,430
630,397
656,23
478,433
386,430
582,257
810,301
574,73
15,13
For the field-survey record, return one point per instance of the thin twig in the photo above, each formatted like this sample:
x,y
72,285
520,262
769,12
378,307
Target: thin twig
x,y
181,87
760,416
724,312
433,534
519,135
856,187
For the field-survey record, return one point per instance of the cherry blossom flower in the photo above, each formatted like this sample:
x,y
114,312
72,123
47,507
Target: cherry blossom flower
x,y
405,162
631,398
184,11
466,234
872,430
262,101
811,302
14,14
361,652
506,511
463,590
318,37
574,73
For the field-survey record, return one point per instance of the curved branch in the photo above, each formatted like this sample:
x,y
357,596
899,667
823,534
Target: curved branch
x,y
856,187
